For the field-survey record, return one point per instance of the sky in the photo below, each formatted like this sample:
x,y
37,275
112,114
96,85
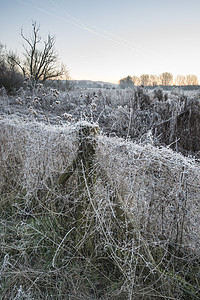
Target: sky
x,y
110,39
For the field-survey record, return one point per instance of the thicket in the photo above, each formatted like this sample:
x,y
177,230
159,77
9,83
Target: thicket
x,y
10,78
94,203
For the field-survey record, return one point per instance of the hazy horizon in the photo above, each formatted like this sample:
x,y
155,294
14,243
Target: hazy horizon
x,y
109,40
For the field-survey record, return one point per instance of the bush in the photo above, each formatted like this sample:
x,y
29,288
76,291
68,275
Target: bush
x,y
10,78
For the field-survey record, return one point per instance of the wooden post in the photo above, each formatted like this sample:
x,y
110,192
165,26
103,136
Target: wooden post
x,y
85,155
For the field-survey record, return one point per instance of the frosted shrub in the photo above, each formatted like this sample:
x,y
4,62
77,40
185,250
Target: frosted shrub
x,y
160,95
91,217
159,187
32,152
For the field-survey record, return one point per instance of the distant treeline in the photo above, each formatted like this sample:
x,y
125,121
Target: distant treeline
x,y
164,79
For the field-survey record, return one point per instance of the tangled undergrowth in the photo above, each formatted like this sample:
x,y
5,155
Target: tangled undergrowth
x,y
171,118
87,216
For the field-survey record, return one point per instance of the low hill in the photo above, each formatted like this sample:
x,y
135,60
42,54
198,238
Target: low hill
x,y
92,84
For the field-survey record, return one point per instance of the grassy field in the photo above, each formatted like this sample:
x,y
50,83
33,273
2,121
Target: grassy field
x,y
100,194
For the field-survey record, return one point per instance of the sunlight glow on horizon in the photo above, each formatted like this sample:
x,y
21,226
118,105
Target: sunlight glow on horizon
x,y
108,41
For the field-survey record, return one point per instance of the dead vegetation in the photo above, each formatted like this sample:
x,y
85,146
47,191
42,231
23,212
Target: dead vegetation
x,y
85,216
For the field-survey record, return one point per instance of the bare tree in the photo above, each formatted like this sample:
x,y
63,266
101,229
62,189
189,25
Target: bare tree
x,y
136,80
144,79
180,80
192,80
166,78
41,63
154,80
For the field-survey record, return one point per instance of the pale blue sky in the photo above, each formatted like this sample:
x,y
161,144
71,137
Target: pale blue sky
x,y
110,39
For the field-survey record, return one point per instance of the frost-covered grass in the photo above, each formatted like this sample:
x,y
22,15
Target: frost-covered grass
x,y
172,118
124,222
